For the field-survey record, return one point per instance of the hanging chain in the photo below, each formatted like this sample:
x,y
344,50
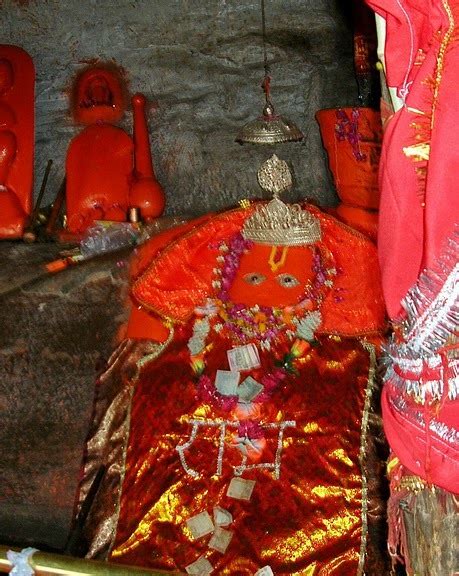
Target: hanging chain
x,y
263,33
266,85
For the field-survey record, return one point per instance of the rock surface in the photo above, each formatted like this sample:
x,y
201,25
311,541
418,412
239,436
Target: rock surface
x,y
200,64
55,333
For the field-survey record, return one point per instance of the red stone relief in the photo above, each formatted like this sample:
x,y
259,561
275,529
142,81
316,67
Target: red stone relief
x,y
17,80
107,171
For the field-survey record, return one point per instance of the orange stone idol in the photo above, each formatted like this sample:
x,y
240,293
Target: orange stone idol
x,y
99,159
237,440
107,171
17,79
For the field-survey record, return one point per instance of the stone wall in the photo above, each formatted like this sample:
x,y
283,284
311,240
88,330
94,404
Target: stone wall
x,y
200,64
56,332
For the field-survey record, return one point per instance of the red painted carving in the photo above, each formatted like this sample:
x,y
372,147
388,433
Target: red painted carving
x,y
106,173
99,95
99,159
146,192
17,79
99,165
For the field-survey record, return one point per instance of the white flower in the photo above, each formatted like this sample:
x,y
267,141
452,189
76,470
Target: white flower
x,y
265,345
208,309
306,327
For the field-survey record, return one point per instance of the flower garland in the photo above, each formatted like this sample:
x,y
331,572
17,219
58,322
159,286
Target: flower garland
x,y
261,323
206,391
348,129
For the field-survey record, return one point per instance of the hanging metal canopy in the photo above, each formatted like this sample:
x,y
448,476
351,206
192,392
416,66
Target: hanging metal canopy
x,y
269,128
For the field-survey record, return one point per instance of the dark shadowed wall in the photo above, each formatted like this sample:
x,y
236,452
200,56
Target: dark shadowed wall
x,y
200,64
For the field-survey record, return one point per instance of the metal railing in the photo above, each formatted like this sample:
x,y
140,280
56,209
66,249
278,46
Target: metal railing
x,y
45,564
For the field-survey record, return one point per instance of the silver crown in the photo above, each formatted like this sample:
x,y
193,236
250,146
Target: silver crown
x,y
277,223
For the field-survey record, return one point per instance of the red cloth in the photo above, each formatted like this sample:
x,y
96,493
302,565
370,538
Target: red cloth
x,y
419,208
309,521
422,58
310,512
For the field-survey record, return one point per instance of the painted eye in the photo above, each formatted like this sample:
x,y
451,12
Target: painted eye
x,y
287,280
254,278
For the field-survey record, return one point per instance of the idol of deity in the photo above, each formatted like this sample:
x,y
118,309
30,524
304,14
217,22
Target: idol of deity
x,y
107,171
238,440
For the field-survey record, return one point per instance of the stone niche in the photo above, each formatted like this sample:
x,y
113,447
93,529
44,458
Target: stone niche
x,y
56,332
200,64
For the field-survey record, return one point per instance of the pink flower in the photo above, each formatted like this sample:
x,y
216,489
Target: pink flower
x,y
250,429
207,392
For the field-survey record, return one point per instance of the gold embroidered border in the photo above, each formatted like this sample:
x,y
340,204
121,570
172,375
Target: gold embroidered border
x,y
370,348
158,350
108,444
441,58
420,152
104,537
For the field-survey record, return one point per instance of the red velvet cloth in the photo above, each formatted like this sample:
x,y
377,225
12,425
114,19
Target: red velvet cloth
x,y
309,521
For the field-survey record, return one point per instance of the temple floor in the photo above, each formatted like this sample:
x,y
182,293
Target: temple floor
x,y
55,333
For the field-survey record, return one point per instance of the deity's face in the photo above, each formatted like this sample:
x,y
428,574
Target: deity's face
x,y
274,276
97,92
98,96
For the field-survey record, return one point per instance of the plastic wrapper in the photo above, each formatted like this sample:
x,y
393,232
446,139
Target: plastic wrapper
x,y
104,237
